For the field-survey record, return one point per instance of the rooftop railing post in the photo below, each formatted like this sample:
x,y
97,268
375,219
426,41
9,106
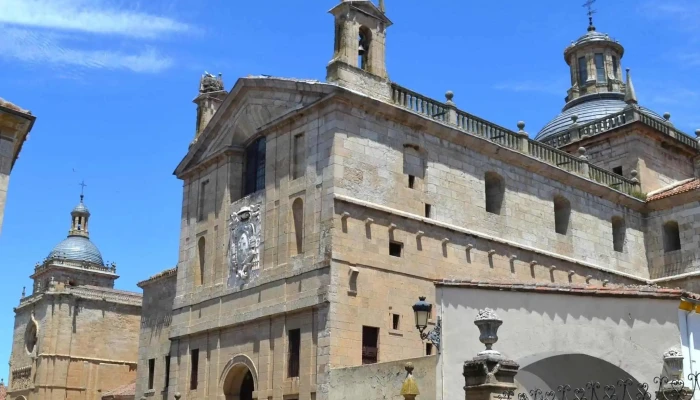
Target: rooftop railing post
x,y
451,116
523,138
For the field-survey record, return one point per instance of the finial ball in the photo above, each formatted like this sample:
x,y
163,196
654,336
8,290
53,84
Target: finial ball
x,y
521,125
582,151
697,132
449,95
667,116
409,367
574,118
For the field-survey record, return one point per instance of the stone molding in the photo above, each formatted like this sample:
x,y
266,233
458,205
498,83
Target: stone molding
x,y
89,359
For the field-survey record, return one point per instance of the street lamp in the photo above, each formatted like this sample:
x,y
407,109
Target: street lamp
x,y
422,311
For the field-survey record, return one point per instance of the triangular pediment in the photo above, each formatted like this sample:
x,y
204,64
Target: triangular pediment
x,y
253,103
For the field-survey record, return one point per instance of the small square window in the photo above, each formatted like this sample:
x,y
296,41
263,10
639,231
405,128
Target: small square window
x,y
411,181
395,319
395,249
428,210
428,349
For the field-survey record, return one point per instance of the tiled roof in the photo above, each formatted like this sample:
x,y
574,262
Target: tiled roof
x,y
3,391
162,274
126,390
647,291
682,187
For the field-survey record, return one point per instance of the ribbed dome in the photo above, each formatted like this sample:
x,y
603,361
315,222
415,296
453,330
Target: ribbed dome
x,y
80,209
587,111
77,248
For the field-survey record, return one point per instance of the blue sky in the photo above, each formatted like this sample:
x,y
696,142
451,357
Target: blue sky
x,y
112,83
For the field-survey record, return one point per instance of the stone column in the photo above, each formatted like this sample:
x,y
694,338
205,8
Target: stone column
x,y
489,375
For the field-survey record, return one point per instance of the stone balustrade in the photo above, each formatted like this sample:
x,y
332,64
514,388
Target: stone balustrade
x,y
519,141
74,264
613,121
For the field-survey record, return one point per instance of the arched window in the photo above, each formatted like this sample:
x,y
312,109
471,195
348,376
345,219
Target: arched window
x,y
254,167
672,236
201,253
495,192
562,214
365,41
582,71
298,221
618,231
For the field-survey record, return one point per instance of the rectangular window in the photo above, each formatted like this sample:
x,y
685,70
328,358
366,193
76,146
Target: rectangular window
x,y
201,210
615,66
618,170
600,68
411,181
167,372
428,209
428,349
370,345
194,364
395,249
582,71
254,167
151,372
395,320
294,337
298,164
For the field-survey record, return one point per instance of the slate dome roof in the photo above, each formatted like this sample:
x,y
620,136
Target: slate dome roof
x,y
77,248
588,110
80,209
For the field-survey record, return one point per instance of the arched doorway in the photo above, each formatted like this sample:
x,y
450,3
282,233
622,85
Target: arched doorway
x,y
239,379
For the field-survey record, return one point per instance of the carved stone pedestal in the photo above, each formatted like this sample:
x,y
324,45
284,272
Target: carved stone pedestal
x,y
489,377
672,391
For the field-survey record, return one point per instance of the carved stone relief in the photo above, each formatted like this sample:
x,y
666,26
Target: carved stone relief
x,y
244,246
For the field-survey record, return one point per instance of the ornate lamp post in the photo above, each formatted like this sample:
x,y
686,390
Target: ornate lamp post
x,y
422,311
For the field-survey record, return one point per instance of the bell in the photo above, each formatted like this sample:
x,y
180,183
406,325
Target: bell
x,y
361,50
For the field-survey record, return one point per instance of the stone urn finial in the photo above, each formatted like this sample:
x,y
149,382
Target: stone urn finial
x,y
673,364
488,323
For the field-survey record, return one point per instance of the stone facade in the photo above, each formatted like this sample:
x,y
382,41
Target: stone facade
x,y
15,125
315,214
75,336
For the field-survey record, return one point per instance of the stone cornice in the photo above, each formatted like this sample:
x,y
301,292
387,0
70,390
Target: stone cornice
x,y
86,293
172,272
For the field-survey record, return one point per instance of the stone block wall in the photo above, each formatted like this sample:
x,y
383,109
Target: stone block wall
x,y
666,263
386,380
85,347
658,163
154,342
369,152
15,125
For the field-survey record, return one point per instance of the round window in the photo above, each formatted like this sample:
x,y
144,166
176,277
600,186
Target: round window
x,y
30,338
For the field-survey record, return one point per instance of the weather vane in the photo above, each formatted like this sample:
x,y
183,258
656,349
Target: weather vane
x,y
589,5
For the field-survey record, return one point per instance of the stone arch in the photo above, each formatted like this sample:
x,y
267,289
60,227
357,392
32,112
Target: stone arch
x,y
20,398
234,373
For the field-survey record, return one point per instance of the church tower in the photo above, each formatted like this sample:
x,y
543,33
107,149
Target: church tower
x,y
75,261
211,95
359,54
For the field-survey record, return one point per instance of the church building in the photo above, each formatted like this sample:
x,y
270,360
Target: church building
x,y
314,215
75,336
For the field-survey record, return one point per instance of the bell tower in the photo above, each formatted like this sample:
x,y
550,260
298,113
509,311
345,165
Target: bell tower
x,y
359,56
211,95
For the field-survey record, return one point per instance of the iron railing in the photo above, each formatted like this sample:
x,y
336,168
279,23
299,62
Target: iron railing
x,y
625,389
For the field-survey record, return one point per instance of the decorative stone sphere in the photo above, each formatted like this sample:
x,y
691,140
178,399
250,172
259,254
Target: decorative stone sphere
x,y
521,125
582,151
697,132
449,95
574,118
634,173
667,116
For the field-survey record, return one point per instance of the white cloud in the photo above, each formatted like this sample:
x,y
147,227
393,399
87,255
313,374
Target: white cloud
x,y
41,48
92,16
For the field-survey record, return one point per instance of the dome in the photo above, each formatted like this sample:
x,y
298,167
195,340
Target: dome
x,y
77,248
587,110
80,209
